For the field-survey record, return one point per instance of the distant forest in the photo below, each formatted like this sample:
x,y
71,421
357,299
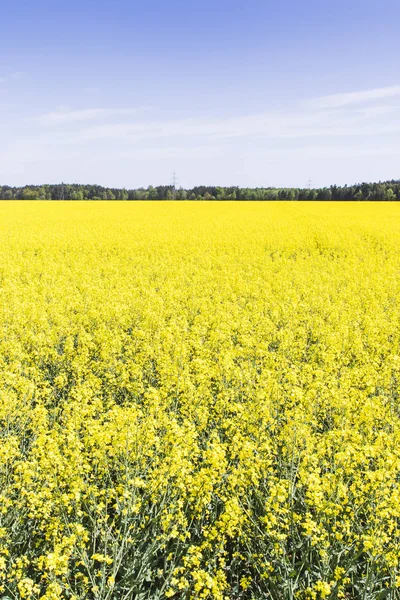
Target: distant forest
x,y
388,190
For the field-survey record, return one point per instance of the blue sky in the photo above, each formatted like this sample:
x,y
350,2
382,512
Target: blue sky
x,y
251,93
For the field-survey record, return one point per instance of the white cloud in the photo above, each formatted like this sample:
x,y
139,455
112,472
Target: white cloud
x,y
317,118
271,125
65,115
378,111
348,98
95,142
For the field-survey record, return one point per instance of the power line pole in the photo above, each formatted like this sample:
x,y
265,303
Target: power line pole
x,y
174,182
309,182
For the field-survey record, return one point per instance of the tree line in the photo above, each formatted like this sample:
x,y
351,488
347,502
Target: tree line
x,y
388,190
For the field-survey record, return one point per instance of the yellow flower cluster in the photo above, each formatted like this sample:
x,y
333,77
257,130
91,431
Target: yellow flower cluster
x,y
199,400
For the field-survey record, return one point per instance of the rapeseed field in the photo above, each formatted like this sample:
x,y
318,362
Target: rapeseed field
x,y
199,401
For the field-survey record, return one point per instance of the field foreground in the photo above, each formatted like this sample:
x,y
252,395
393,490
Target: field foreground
x,y
199,400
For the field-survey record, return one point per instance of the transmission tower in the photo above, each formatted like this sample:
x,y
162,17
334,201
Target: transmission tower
x,y
174,181
62,195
